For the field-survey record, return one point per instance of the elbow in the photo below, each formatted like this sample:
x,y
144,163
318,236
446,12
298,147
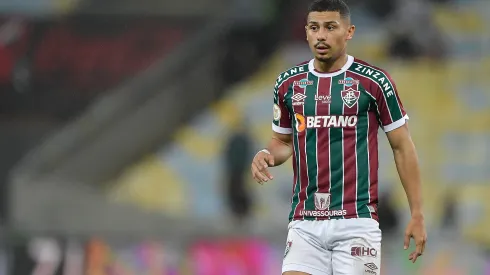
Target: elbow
x,y
404,150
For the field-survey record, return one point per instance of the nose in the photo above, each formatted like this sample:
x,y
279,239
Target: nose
x,y
322,34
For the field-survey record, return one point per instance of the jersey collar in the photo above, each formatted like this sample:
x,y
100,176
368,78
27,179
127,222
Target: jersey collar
x,y
311,68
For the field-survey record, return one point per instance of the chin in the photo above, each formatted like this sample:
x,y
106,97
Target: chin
x,y
323,58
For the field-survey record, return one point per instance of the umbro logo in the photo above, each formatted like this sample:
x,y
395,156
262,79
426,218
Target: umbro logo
x,y
298,99
371,267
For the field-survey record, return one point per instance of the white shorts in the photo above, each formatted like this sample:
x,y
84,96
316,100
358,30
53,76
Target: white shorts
x,y
333,247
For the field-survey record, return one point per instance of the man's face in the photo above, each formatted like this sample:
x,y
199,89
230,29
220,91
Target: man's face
x,y
327,34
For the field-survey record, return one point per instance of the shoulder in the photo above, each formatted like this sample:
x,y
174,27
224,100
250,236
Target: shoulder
x,y
378,78
367,69
291,74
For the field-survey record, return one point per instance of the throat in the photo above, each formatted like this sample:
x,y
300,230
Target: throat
x,y
330,66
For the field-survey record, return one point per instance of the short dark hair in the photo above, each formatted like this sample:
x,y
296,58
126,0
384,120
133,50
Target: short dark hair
x,y
330,5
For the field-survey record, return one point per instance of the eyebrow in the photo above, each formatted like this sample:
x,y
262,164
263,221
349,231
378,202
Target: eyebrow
x,y
329,22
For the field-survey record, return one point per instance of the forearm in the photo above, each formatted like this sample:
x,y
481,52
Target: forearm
x,y
281,150
408,169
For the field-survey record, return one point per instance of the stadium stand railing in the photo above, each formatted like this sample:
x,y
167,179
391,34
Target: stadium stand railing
x,y
116,129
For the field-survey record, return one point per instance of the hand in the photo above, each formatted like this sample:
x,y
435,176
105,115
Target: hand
x,y
260,164
416,230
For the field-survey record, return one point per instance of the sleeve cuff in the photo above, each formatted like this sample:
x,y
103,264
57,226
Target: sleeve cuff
x,y
281,130
397,124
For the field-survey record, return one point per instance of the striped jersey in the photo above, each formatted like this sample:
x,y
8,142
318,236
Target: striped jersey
x,y
334,119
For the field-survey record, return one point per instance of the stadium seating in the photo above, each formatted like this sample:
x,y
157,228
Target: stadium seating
x,y
74,59
448,105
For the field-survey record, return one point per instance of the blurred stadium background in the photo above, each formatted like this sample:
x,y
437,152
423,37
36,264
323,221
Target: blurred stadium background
x,y
128,127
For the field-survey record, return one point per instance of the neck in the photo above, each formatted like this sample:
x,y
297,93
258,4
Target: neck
x,y
332,65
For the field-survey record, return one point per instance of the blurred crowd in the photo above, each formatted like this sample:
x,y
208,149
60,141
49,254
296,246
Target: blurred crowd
x,y
53,68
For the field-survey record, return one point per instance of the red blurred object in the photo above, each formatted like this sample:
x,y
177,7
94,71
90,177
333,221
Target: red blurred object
x,y
236,257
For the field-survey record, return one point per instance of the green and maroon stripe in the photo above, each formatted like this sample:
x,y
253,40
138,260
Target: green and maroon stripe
x,y
324,85
299,146
311,145
296,167
389,105
295,198
362,149
350,157
373,163
336,148
367,148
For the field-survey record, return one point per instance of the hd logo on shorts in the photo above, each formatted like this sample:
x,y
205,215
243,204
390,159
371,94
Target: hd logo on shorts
x,y
363,251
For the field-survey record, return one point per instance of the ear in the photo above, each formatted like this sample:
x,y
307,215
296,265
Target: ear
x,y
306,32
350,32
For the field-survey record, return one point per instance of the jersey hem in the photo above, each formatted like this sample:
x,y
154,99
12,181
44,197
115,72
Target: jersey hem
x,y
397,124
281,130
374,216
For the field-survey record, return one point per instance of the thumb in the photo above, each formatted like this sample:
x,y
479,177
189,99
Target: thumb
x,y
407,241
270,160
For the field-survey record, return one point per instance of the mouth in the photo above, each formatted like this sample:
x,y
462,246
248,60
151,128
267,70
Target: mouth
x,y
322,48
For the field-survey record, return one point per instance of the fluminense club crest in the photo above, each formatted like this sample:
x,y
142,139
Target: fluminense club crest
x,y
350,97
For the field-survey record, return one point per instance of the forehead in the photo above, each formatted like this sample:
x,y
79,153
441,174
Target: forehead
x,y
324,16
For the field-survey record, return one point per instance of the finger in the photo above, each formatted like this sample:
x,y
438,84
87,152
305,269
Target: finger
x,y
262,163
262,166
419,243
418,247
406,243
423,245
270,160
415,257
267,174
259,175
258,181
411,257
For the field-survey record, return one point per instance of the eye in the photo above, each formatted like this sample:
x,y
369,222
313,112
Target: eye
x,y
331,27
313,27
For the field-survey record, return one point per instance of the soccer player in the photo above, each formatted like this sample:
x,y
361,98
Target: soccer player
x,y
326,114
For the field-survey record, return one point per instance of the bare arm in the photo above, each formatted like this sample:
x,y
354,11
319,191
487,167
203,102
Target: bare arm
x,y
408,167
280,147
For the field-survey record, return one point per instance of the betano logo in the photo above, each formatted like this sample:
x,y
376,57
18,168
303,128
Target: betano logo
x,y
315,122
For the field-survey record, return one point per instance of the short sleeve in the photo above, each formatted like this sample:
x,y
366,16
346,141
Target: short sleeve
x,y
281,120
391,112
